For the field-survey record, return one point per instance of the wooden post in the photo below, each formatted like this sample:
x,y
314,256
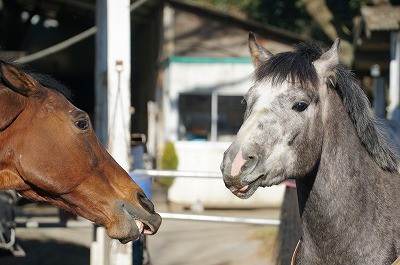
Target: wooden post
x,y
112,107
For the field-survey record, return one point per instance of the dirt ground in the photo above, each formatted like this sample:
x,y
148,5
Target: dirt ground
x,y
176,243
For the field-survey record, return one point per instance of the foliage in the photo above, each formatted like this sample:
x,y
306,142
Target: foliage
x,y
169,158
169,161
291,14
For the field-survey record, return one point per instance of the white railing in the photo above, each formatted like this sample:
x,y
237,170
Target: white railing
x,y
167,215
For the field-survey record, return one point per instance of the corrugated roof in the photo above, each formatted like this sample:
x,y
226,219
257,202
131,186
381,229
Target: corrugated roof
x,y
381,18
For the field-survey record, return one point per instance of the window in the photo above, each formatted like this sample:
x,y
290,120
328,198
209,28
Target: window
x,y
230,117
209,117
194,117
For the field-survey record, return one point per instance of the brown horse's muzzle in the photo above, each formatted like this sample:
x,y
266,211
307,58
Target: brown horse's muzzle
x,y
134,220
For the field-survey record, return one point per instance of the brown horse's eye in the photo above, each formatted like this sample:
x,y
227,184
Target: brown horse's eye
x,y
82,124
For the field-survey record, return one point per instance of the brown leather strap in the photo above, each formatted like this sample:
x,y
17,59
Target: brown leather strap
x,y
296,250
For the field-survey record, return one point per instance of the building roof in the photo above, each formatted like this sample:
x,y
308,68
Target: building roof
x,y
237,20
381,18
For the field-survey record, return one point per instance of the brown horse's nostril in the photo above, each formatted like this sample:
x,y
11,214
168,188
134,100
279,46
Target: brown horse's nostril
x,y
145,203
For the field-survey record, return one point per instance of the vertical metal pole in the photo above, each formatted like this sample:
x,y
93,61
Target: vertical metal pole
x,y
378,85
394,106
112,107
168,28
99,249
100,78
214,116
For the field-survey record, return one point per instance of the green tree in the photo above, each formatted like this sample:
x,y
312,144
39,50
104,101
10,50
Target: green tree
x,y
292,15
169,161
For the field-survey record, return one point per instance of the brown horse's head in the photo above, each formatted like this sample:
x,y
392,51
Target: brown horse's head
x,y
49,152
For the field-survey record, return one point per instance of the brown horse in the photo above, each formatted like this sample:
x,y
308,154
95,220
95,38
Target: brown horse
x,y
49,152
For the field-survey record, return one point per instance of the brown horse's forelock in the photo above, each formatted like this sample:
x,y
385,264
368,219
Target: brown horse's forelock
x,y
44,79
297,67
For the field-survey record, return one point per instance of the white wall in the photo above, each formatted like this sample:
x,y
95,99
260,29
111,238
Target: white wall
x,y
224,77
207,157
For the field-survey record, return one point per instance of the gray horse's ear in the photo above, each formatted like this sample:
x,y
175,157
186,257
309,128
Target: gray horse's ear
x,y
18,81
258,53
328,61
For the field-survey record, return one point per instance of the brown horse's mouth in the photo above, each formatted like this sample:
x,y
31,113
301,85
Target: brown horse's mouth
x,y
140,222
143,226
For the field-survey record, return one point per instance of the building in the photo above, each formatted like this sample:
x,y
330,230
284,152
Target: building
x,y
206,70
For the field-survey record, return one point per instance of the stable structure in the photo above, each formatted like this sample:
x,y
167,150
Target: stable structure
x,y
206,72
377,46
37,28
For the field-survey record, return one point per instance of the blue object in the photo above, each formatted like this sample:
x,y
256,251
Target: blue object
x,y
144,181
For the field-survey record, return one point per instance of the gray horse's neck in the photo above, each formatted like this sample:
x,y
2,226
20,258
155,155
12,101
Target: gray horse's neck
x,y
349,205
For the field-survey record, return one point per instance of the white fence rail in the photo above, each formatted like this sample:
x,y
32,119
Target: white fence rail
x,y
172,174
166,215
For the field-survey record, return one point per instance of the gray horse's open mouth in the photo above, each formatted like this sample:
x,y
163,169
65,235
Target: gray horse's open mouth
x,y
247,190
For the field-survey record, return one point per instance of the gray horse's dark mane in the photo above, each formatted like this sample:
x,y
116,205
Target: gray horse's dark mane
x,y
44,79
297,67
292,66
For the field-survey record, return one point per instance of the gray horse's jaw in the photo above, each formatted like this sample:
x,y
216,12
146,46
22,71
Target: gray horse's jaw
x,y
248,190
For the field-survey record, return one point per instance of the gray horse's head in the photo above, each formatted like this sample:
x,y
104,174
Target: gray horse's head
x,y
281,136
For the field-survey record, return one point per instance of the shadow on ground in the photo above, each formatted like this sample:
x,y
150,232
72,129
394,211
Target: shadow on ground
x,y
49,252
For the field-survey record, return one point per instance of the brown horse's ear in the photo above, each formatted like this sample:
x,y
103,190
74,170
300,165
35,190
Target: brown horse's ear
x,y
328,62
19,81
11,105
258,53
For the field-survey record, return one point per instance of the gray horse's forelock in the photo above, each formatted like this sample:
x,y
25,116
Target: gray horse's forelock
x,y
357,106
293,66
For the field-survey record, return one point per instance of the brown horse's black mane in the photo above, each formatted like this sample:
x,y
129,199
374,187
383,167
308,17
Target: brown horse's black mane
x,y
44,79
297,66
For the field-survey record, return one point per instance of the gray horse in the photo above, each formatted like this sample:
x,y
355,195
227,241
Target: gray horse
x,y
308,119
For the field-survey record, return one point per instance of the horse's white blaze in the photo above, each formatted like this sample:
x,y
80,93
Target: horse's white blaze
x,y
267,95
266,102
237,164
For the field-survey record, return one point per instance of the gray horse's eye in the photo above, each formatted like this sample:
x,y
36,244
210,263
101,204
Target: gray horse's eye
x,y
300,106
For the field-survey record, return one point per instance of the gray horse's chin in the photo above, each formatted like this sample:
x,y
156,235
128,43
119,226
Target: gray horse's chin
x,y
268,182
247,191
264,180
